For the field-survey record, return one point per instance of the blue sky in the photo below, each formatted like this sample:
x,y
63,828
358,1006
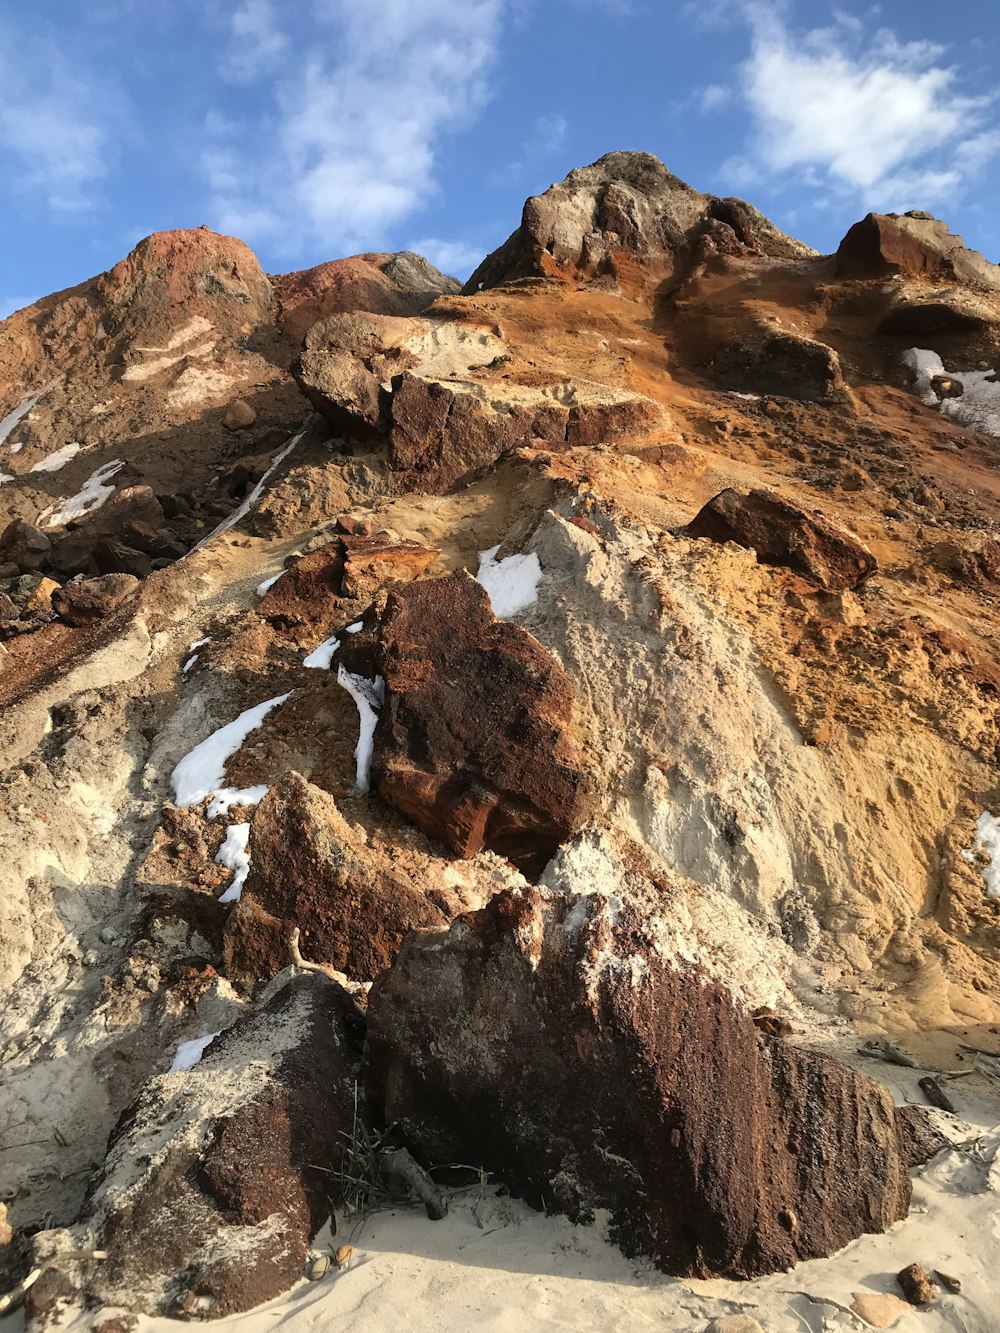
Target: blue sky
x,y
318,128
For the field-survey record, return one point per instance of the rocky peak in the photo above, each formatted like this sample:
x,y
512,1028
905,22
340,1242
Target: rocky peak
x,y
914,245
623,208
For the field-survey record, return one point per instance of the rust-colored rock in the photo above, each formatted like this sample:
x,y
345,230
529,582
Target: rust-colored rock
x,y
917,1285
210,1193
546,1038
80,603
915,245
309,868
783,533
474,739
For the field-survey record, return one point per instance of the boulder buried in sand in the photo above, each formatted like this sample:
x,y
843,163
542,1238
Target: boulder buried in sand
x,y
210,1192
546,1038
353,904
474,742
783,533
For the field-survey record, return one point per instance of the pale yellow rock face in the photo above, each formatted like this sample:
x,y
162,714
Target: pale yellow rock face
x,y
879,1309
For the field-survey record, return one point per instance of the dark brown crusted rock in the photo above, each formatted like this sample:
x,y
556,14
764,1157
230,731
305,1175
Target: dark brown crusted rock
x,y
209,1196
783,533
24,545
546,1039
473,741
915,245
80,603
784,364
310,868
917,1285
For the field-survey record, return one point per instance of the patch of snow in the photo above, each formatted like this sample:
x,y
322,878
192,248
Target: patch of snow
x,y
512,583
987,840
369,695
253,497
18,413
268,583
749,397
356,628
5,476
226,797
16,447
978,405
190,1052
202,772
234,856
198,643
91,495
323,655
57,460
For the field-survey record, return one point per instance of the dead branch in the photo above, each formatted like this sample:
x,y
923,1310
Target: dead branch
x,y
398,1162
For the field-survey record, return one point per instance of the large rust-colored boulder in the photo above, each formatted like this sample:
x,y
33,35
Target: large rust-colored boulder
x,y
310,868
545,1038
212,1190
915,245
474,742
783,533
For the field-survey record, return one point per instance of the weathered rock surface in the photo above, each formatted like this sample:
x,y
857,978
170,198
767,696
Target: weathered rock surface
x,y
624,208
474,742
913,244
209,1195
132,517
779,363
79,603
24,545
310,868
546,1038
782,533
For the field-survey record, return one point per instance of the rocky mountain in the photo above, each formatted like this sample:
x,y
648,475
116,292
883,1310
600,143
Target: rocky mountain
x,y
549,725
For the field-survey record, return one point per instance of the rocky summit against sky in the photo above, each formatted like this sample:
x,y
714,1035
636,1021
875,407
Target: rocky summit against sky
x,y
499,789
319,129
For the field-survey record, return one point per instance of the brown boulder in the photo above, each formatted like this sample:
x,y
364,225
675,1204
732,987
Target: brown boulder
x,y
545,1038
132,516
783,533
917,1285
210,1194
24,545
87,600
915,245
473,742
239,415
784,364
310,868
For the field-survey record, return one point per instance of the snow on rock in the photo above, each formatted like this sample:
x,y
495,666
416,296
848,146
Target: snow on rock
x,y
512,583
91,495
977,406
192,648
356,628
268,583
369,695
18,413
57,460
202,772
190,1052
233,854
226,797
238,514
323,655
987,840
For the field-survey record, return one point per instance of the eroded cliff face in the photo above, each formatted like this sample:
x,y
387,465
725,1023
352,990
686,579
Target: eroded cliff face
x,y
732,668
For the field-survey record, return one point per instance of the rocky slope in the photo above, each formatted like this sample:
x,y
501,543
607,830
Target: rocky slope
x,y
530,726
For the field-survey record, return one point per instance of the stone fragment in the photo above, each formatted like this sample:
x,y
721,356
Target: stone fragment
x,y
783,533
87,600
24,545
239,415
546,1036
734,1323
878,1309
38,596
918,1286
474,742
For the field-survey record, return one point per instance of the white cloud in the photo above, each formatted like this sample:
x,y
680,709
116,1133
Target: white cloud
x,y
455,258
885,121
257,43
714,96
346,145
53,124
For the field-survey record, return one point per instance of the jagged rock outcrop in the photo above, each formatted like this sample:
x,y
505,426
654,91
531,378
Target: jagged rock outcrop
x,y
546,1038
624,217
24,545
475,738
211,1189
765,362
310,868
914,245
783,533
